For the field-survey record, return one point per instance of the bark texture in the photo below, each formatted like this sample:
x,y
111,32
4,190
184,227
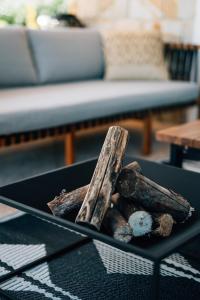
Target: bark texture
x,y
98,197
151,196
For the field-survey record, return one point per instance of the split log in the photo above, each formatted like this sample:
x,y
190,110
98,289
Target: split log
x,y
141,223
152,196
135,166
117,226
67,205
164,223
98,197
127,207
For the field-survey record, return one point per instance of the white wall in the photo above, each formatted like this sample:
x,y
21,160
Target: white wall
x,y
180,28
196,28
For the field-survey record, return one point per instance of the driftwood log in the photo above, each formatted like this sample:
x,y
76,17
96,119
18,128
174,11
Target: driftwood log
x,y
102,185
135,166
67,205
127,207
116,225
151,196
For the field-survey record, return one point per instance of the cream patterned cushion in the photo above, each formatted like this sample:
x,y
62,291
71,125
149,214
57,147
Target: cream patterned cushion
x,y
136,55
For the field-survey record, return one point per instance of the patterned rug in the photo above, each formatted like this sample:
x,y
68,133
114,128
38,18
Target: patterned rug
x,y
93,270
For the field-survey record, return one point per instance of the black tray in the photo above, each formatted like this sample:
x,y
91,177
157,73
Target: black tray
x,y
31,196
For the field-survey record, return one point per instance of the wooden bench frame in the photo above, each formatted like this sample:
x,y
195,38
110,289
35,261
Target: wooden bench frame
x,y
181,59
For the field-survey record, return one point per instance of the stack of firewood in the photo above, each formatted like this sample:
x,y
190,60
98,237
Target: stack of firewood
x,y
122,201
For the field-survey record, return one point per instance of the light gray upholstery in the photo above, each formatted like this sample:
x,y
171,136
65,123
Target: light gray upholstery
x,y
25,109
63,55
16,67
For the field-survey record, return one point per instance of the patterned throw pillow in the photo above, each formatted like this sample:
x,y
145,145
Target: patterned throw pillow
x,y
134,55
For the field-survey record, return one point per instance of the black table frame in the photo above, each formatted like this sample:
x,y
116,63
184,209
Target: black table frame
x,y
47,258
161,253
178,153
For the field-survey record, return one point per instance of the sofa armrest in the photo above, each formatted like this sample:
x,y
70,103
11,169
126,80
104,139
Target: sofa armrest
x,y
182,60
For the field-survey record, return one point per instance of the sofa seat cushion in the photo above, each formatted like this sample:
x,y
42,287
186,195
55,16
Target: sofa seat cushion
x,y
32,108
16,65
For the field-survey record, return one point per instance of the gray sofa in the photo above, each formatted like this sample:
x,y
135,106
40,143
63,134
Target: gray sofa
x,y
51,83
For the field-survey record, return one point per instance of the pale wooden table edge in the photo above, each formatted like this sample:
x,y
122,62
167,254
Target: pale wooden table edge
x,y
169,136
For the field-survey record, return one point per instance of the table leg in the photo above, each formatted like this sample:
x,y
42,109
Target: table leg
x,y
176,155
192,154
156,281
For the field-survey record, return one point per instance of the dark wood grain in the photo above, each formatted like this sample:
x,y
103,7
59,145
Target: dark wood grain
x,y
151,196
127,207
116,225
67,205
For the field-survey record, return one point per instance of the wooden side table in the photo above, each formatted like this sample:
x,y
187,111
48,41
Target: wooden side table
x,y
184,142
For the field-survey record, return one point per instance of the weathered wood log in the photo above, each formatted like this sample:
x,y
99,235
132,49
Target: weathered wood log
x,y
115,198
141,223
117,226
152,196
127,207
102,185
135,166
164,223
67,205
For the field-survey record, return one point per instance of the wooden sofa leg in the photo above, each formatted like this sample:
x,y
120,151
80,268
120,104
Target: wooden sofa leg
x,y
147,139
1,142
69,147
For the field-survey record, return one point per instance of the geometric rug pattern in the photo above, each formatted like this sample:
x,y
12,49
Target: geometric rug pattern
x,y
94,270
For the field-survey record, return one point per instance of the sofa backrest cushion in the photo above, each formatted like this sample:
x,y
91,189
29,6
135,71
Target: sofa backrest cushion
x,y
16,65
63,55
134,55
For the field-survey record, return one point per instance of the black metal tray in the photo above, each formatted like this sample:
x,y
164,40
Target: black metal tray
x,y
31,196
